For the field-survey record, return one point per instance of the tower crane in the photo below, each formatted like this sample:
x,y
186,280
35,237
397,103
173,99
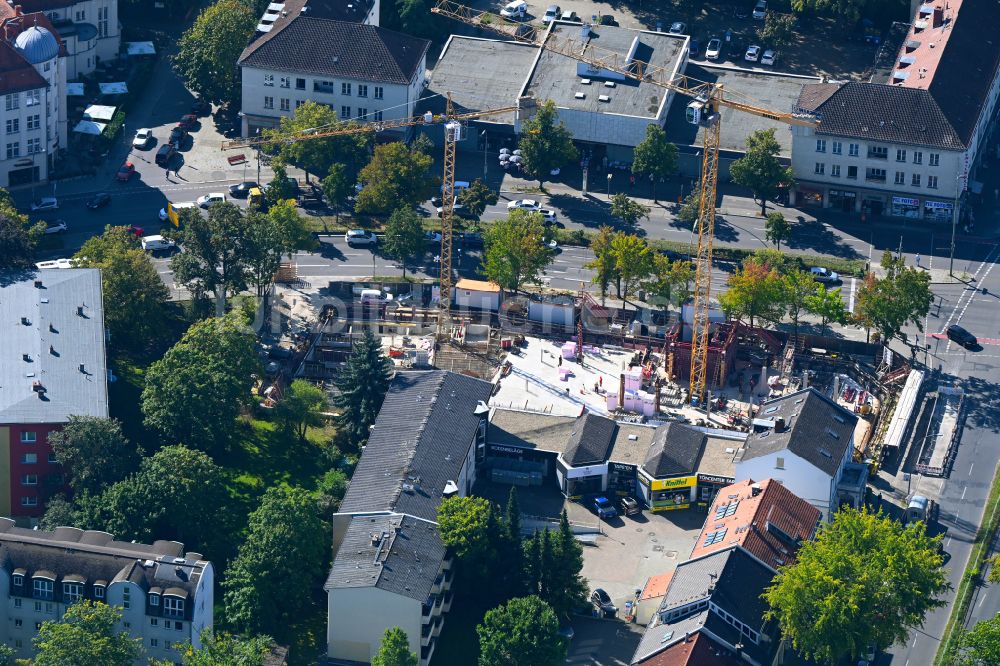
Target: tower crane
x,y
454,130
703,111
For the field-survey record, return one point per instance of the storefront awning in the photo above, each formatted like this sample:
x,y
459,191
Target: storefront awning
x,y
74,89
119,88
89,127
140,48
99,112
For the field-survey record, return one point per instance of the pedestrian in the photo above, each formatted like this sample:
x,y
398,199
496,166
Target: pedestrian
x,y
918,260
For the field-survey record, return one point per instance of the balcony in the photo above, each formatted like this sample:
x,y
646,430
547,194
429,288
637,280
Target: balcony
x,y
878,154
426,652
432,608
875,177
446,604
426,634
442,583
436,631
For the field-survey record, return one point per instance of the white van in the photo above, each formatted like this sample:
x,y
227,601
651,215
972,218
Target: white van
x,y
157,243
374,297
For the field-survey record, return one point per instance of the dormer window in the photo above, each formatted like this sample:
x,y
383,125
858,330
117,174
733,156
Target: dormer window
x,y
18,580
173,607
154,600
72,592
98,591
42,588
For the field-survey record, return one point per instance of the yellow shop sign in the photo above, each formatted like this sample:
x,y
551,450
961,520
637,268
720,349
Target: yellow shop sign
x,y
680,482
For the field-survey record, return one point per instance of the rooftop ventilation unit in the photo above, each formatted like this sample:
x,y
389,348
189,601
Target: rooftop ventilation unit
x,y
603,98
585,82
609,84
580,95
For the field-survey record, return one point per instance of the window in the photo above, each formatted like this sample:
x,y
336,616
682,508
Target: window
x,y
819,169
13,150
377,116
179,626
878,153
932,182
285,106
900,178
17,623
378,92
13,125
323,87
42,589
29,479
98,591
918,157
362,90
72,592
835,170
29,458
268,102
81,16
173,607
11,101
900,155
915,180
31,98
300,84
34,145
269,79
779,463
52,459
127,598
363,113
29,500
153,622
345,89
154,642
875,175
286,82
128,625
18,580
17,603
820,145
34,122
838,148
345,112
102,22
17,643
852,172
29,437
299,102
154,600
38,606
852,150
934,159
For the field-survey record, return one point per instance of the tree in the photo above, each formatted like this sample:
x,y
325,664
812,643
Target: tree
x,y
18,240
655,156
292,228
302,407
363,384
195,392
799,288
603,263
568,589
462,522
826,304
263,249
777,229
207,52
280,188
522,632
87,634
633,263
532,562
865,580
546,143
337,188
318,156
981,645
272,578
134,294
404,236
691,208
59,512
889,303
669,278
759,168
476,197
515,252
330,490
512,555
214,256
395,650
397,176
627,210
851,10
94,452
755,292
224,649
778,29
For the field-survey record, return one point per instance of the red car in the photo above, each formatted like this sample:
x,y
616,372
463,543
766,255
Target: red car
x,y
188,121
126,171
138,232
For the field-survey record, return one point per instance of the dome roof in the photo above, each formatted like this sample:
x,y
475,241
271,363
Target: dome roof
x,y
37,45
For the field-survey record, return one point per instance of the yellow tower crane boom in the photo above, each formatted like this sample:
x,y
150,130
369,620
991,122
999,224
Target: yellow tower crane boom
x,y
576,44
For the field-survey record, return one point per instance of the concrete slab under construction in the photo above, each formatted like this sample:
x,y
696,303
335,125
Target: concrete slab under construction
x,y
945,423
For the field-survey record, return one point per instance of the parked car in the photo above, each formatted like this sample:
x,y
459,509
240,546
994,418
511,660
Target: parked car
x,y
125,171
456,209
752,54
433,237
602,600
188,121
824,275
157,243
142,138
177,134
99,200
201,108
56,263
714,49
694,47
768,57
628,506
165,154
603,507
45,203
56,227
677,28
526,204
471,239
570,16
514,10
760,10
360,237
959,335
242,190
207,200
138,232
548,214
608,19
551,14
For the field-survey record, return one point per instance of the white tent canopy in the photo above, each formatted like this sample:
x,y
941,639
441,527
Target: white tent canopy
x,y
74,89
99,112
140,48
119,88
89,127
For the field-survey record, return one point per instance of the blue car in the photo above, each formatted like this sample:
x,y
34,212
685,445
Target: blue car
x,y
603,507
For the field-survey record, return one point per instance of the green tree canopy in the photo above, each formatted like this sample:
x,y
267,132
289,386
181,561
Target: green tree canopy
x,y
754,292
18,240
404,236
214,256
262,251
777,229
292,227
272,579
691,208
827,304
396,176
208,50
627,210
522,632
363,384
318,156
395,650
799,290
778,30
603,263
546,143
655,156
903,296
280,188
865,580
87,634
194,393
302,407
463,523
759,169
633,263
669,280
337,187
94,452
567,588
224,649
515,252
981,645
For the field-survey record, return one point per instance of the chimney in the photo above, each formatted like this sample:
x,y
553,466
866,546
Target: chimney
x,y
25,321
755,489
83,368
656,400
52,329
52,350
450,489
938,16
779,424
26,357
79,310
621,390
17,10
38,284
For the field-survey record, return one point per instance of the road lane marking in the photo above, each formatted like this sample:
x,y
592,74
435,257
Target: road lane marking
x,y
850,302
964,490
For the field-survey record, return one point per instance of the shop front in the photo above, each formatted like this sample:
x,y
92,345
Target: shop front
x,y
873,204
938,211
668,494
514,465
908,207
709,486
809,196
843,200
576,482
621,479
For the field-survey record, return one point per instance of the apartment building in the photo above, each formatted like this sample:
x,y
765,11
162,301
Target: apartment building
x,y
89,29
166,595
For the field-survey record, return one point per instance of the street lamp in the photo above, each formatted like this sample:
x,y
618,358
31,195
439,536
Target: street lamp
x,y
485,147
609,187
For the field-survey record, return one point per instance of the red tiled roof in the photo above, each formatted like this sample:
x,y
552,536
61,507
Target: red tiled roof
x,y
768,524
28,6
656,586
698,650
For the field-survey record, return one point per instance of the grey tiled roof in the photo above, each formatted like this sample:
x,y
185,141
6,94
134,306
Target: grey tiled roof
x,y
396,553
530,430
816,429
421,438
676,450
590,441
47,340
322,47
893,114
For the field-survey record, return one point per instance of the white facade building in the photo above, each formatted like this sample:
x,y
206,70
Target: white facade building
x,y
166,595
89,30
